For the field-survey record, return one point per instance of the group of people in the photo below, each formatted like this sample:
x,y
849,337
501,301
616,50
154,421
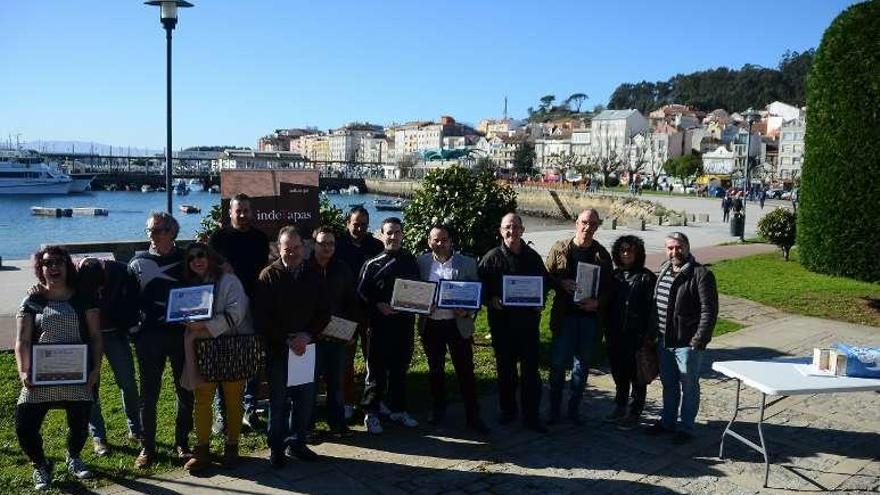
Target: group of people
x,y
351,275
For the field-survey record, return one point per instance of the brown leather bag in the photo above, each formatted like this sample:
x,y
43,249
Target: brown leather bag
x,y
647,364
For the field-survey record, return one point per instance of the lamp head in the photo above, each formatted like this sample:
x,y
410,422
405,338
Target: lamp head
x,y
168,10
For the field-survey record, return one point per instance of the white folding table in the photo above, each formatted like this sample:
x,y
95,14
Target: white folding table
x,y
780,377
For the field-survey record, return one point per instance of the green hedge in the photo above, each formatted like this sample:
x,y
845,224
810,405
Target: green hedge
x,y
839,217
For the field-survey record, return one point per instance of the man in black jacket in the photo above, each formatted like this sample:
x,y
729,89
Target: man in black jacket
x,y
391,337
687,308
515,330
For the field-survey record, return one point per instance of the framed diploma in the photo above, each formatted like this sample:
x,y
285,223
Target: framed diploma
x,y
521,290
59,364
190,304
459,294
340,328
413,296
587,281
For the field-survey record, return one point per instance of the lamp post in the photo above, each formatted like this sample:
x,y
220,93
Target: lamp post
x,y
750,116
168,16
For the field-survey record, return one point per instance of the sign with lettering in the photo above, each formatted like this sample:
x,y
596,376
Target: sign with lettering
x,y
278,197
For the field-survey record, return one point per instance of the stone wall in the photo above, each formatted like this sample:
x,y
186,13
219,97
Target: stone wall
x,y
392,188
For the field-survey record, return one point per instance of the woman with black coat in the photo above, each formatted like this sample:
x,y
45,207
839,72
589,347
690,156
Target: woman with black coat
x,y
630,326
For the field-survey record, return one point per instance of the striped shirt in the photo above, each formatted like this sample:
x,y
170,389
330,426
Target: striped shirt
x,y
664,284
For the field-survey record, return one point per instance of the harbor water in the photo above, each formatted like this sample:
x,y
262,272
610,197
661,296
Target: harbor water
x,y
22,233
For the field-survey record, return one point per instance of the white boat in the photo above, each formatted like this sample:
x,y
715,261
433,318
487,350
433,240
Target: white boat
x,y
81,183
147,188
25,172
389,204
181,189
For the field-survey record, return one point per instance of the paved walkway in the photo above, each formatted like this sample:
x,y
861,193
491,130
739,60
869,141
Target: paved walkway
x,y
818,444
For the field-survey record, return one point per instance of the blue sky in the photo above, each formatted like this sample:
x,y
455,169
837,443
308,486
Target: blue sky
x,y
95,71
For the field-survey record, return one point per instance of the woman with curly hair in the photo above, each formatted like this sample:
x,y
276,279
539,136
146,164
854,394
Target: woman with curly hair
x,y
629,326
55,314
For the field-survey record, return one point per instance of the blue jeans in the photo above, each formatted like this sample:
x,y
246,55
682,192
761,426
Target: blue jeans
x,y
285,421
575,340
680,375
117,349
331,365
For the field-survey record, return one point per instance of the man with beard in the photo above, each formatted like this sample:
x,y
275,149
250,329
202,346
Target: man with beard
x,y
246,251
687,308
515,332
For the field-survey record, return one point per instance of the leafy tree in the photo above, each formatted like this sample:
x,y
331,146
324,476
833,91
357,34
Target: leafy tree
x,y
546,103
524,159
779,228
838,224
578,99
210,223
471,203
684,167
332,215
485,163
564,161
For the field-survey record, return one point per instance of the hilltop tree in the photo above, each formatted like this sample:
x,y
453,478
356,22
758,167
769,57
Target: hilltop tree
x,y
546,103
578,99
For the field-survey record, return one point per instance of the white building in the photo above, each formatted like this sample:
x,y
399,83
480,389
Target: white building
x,y
721,161
791,149
613,130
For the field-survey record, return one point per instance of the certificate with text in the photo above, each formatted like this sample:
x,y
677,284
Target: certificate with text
x,y
301,369
459,294
340,328
587,281
522,290
190,304
413,296
59,364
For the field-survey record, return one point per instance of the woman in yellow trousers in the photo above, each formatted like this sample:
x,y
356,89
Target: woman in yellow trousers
x,y
230,315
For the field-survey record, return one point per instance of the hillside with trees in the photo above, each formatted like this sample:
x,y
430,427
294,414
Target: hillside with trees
x,y
750,86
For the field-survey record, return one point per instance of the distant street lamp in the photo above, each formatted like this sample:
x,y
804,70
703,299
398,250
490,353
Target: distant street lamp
x,y
168,16
751,116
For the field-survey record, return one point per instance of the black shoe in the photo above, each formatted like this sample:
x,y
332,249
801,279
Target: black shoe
x,y
436,417
535,426
276,459
477,425
505,418
658,429
681,438
301,452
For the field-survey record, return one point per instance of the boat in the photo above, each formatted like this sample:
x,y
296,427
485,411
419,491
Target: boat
x,y
190,209
181,189
25,172
81,183
389,204
146,188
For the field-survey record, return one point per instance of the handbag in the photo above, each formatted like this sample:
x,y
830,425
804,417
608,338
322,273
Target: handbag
x,y
230,357
647,364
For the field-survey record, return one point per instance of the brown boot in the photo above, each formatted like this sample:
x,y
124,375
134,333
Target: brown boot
x,y
230,456
200,460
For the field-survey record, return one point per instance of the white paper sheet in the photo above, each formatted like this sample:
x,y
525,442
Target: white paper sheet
x,y
301,369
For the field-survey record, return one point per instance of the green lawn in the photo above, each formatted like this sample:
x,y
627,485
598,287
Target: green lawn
x,y
770,280
15,471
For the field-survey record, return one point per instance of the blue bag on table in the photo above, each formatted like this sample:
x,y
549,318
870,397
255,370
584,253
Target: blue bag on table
x,y
861,362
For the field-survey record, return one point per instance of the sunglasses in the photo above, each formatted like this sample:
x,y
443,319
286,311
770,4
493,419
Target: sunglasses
x,y
196,256
53,262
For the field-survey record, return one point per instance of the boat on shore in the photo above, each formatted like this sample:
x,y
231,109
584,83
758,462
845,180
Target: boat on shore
x,y
190,209
389,204
25,172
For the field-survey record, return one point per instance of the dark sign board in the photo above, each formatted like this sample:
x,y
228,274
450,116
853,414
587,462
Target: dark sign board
x,y
278,198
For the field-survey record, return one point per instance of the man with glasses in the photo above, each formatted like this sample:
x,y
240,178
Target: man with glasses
x,y
291,309
159,270
246,250
575,325
353,248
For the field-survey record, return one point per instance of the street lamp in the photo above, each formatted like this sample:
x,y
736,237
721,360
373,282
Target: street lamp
x,y
751,116
168,16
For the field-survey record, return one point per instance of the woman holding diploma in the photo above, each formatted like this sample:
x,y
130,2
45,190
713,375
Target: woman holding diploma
x,y
56,315
231,315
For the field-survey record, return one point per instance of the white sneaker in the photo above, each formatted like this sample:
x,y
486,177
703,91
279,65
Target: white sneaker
x,y
383,409
374,426
349,412
42,476
404,419
78,469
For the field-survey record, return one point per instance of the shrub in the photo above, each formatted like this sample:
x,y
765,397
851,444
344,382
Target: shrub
x,y
471,203
778,227
838,227
332,216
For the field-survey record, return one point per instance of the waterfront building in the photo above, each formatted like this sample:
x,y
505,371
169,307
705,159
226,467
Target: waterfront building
x,y
791,149
238,159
